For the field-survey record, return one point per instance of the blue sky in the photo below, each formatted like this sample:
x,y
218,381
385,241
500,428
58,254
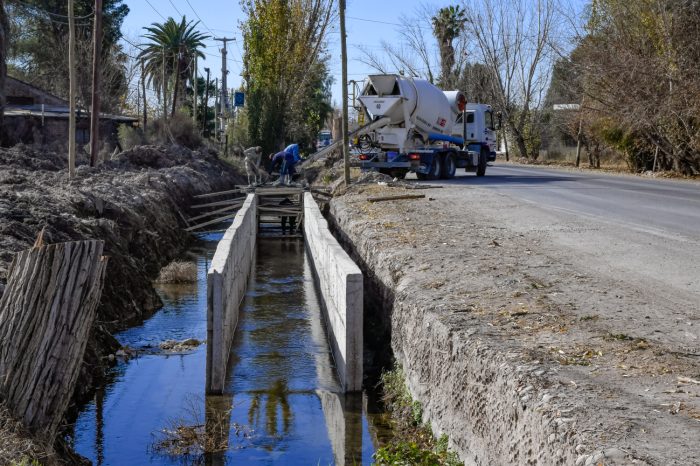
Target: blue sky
x,y
368,23
222,17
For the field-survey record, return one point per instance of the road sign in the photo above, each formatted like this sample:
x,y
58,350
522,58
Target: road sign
x,y
238,99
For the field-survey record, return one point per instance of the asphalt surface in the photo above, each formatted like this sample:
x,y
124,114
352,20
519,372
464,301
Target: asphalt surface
x,y
659,207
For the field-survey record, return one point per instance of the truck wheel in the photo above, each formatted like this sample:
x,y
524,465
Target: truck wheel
x,y
449,167
435,168
483,160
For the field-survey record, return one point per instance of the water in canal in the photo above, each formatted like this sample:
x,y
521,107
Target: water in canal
x,y
283,403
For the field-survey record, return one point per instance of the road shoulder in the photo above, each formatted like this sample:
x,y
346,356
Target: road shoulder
x,y
518,350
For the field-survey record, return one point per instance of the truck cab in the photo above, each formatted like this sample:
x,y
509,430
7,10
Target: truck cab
x,y
479,127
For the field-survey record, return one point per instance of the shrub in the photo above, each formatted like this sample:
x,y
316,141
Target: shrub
x,y
178,272
183,131
130,137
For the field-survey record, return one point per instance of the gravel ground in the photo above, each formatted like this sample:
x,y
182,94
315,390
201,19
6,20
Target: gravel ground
x,y
534,336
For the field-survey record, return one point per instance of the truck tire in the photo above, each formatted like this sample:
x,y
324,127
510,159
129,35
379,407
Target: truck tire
x,y
435,168
483,160
449,167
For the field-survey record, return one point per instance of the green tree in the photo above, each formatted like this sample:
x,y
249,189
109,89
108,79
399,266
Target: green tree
x,y
38,47
448,24
170,51
284,65
201,105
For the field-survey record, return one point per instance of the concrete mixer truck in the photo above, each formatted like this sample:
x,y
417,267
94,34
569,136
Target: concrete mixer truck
x,y
416,127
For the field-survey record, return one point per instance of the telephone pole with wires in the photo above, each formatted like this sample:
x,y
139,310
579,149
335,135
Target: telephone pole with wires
x,y
224,72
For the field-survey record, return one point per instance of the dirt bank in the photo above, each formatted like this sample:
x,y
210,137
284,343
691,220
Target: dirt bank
x,y
519,350
133,202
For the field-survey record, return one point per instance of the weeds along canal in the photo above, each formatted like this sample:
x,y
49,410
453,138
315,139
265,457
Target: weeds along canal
x,y
283,403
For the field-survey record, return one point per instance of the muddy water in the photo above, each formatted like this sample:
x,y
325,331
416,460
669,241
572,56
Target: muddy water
x,y
282,405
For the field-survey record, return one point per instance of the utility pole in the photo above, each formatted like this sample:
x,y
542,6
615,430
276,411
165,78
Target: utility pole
x,y
206,104
194,92
344,54
216,110
95,104
224,72
143,90
165,90
72,91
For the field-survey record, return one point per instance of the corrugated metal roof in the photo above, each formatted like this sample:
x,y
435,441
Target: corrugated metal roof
x,y
54,111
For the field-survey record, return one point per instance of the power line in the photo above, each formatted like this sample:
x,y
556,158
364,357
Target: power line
x,y
154,9
200,18
178,11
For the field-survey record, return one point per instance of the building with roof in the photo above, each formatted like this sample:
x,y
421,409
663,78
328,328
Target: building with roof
x,y
34,116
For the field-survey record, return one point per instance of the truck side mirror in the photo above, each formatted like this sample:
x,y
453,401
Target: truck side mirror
x,y
499,121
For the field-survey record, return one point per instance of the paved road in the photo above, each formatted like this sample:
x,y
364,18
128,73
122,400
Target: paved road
x,y
662,207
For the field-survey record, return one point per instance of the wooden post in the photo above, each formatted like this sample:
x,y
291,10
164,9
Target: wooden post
x,y
194,92
72,90
46,315
206,105
344,54
95,104
165,90
143,91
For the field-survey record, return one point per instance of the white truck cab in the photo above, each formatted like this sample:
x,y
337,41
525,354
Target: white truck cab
x,y
480,127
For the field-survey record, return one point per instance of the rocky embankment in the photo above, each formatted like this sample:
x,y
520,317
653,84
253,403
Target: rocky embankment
x,y
133,202
517,350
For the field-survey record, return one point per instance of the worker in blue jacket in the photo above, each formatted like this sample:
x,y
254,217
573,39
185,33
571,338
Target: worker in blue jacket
x,y
294,150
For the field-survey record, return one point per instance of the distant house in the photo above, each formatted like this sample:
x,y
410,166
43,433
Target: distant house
x,y
33,115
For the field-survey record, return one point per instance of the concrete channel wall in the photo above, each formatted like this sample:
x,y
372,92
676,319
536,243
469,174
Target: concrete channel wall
x,y
227,278
340,284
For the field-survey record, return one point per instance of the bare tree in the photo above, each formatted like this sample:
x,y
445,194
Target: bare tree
x,y
415,54
514,38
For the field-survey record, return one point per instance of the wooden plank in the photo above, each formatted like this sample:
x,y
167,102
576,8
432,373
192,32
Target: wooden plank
x,y
206,232
238,201
396,198
210,222
213,212
278,191
279,209
219,193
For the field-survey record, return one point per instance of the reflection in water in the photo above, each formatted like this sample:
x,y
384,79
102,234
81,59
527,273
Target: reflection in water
x,y
275,401
282,386
99,426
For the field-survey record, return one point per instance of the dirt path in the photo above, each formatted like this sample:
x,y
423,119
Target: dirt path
x,y
537,335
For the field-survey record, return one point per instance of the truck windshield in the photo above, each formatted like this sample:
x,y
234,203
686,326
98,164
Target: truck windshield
x,y
489,120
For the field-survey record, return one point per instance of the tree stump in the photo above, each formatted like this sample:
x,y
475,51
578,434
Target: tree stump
x,y
46,314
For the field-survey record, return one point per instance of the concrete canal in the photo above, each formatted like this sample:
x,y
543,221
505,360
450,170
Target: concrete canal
x,y
283,402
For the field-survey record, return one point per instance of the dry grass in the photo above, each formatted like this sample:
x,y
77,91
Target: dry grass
x,y
197,434
178,272
17,447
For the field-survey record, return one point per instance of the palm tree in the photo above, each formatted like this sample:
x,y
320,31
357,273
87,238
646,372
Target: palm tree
x,y
447,25
169,55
